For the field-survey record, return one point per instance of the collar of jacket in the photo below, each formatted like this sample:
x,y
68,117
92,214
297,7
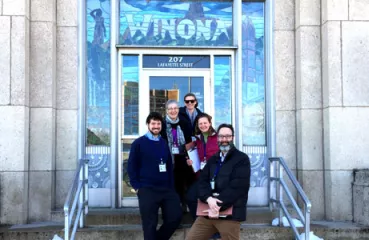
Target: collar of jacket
x,y
229,154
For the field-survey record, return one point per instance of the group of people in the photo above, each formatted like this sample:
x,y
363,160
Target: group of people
x,y
163,177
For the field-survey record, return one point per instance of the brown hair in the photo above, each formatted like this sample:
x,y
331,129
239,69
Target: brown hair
x,y
204,115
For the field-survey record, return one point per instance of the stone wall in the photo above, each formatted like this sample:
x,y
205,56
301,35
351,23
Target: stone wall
x,y
14,110
38,106
321,74
345,56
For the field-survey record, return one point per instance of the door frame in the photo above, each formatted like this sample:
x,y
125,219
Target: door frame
x,y
144,74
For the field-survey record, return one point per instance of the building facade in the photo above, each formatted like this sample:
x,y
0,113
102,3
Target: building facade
x,y
80,77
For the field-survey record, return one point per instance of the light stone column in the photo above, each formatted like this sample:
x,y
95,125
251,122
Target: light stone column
x,y
42,114
345,34
14,110
284,52
66,97
309,120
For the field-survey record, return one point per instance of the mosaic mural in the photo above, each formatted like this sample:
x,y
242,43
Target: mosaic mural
x,y
253,91
98,92
176,23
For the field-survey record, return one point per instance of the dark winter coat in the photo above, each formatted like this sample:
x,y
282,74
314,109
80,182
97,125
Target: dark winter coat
x,y
232,182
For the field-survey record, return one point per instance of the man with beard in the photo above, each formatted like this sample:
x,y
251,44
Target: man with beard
x,y
224,185
150,170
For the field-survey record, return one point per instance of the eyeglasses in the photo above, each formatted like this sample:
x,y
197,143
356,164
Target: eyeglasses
x,y
224,136
172,109
190,101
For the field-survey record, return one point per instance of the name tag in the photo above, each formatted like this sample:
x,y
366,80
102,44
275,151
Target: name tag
x,y
162,168
202,165
212,184
175,150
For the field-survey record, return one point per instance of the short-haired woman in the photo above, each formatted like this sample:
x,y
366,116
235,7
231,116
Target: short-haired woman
x,y
177,133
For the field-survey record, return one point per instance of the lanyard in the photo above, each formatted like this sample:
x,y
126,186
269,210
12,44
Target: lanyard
x,y
203,142
162,143
175,138
219,165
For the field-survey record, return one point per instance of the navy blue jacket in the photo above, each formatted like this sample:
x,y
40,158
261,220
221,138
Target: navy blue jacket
x,y
143,164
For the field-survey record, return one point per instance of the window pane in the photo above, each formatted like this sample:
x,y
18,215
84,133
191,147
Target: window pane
x,y
130,95
163,88
222,90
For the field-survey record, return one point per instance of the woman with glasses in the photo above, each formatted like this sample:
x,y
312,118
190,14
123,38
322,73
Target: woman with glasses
x,y
207,145
177,133
190,111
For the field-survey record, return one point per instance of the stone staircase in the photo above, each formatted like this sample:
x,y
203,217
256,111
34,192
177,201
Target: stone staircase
x,y
126,224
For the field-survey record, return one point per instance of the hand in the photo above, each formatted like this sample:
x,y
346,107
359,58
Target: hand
x,y
213,203
189,162
212,214
190,145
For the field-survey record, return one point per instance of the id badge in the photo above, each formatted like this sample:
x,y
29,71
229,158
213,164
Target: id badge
x,y
162,167
202,165
175,150
212,184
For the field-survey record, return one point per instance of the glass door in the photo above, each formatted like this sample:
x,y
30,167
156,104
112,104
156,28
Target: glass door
x,y
156,87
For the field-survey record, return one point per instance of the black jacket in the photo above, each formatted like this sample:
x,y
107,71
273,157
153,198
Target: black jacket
x,y
185,118
232,182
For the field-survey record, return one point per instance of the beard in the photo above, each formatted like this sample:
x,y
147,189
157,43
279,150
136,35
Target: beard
x,y
225,148
154,129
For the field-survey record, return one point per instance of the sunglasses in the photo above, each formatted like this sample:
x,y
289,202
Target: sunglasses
x,y
190,101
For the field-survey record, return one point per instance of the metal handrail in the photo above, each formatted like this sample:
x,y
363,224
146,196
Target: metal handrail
x,y
281,185
79,190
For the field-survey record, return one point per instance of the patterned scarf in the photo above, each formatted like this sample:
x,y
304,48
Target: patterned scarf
x,y
180,137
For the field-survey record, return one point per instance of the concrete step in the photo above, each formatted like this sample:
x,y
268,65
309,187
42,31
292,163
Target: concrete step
x,y
46,231
108,216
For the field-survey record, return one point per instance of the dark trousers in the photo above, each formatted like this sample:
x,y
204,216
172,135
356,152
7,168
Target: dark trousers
x,y
191,199
150,200
183,176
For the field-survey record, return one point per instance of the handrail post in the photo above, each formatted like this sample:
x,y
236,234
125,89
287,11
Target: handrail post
x,y
81,196
86,185
272,192
279,190
66,225
307,222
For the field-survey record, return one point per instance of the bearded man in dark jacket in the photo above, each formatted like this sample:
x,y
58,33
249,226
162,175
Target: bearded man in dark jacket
x,y
224,183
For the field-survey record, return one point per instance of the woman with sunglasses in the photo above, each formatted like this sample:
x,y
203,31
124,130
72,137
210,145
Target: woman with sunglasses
x,y
177,133
190,111
207,145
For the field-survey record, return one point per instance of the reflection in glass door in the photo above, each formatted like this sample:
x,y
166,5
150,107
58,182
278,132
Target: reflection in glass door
x,y
164,88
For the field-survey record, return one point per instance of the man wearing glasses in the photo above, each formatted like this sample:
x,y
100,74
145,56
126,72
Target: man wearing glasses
x,y
224,185
190,111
